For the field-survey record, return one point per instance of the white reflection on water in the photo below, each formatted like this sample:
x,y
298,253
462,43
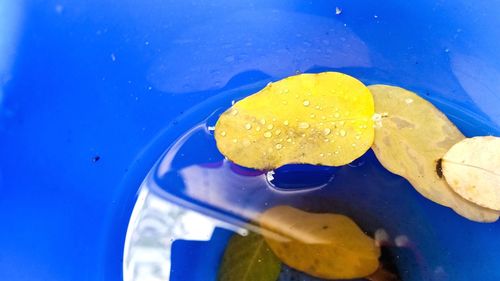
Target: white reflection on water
x,y
154,225
479,78
10,15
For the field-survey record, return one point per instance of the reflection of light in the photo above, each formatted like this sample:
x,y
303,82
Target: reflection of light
x,y
166,162
153,227
238,194
479,78
10,11
268,41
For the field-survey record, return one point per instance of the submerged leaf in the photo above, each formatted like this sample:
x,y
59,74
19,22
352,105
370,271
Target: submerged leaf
x,y
472,168
248,258
323,245
411,137
323,118
290,274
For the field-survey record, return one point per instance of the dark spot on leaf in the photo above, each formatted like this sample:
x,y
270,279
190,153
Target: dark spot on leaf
x,y
325,226
439,168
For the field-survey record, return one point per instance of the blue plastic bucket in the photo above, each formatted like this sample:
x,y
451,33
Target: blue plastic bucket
x,y
92,93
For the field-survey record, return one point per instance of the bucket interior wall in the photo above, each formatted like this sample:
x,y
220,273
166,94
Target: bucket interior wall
x,y
93,92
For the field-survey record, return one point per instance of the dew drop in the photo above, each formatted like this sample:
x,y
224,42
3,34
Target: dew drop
x,y
235,140
408,100
336,115
327,140
306,103
303,125
327,131
289,140
270,126
312,115
321,155
248,126
343,133
377,117
257,128
317,107
262,121
270,176
223,133
285,123
357,137
279,146
277,132
336,152
234,112
268,134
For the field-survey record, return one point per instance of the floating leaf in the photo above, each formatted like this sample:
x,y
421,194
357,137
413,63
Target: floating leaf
x,y
472,168
410,137
323,245
320,118
248,258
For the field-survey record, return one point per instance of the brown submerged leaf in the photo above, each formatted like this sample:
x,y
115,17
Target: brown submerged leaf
x,y
323,245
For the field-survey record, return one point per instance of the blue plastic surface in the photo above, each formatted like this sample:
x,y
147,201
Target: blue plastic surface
x,y
187,254
88,87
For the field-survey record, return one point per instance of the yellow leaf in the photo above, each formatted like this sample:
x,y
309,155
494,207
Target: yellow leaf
x,y
323,245
322,119
410,138
472,168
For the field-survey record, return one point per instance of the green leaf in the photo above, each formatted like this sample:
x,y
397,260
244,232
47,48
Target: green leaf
x,y
248,258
